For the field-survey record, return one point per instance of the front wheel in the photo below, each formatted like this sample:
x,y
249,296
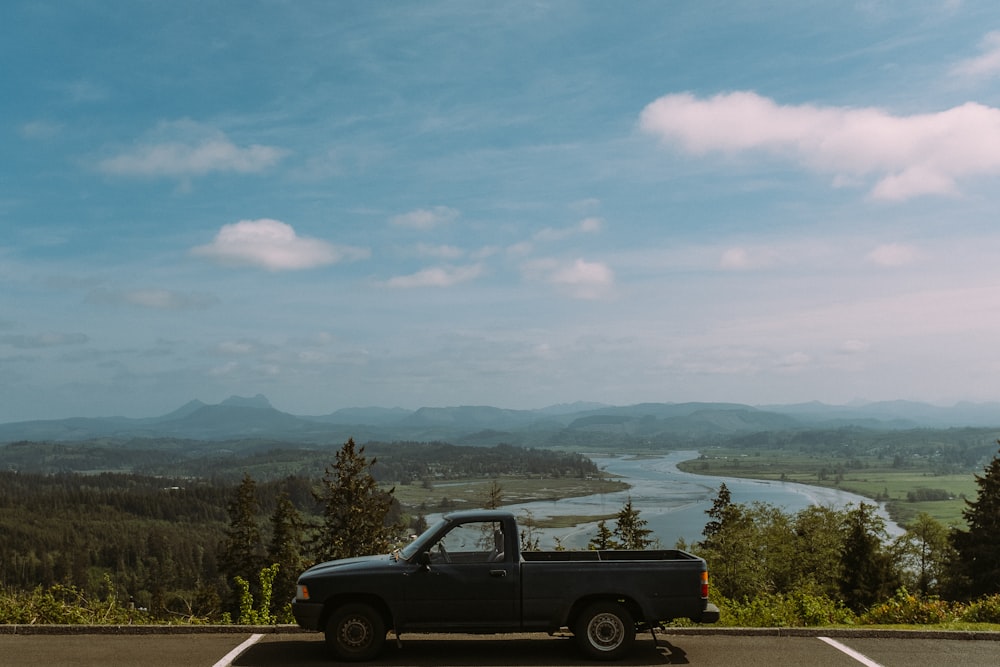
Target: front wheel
x,y
355,632
605,630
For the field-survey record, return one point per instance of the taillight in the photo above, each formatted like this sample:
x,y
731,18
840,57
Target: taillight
x,y
704,584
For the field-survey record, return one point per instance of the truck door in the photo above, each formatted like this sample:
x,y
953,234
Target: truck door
x,y
471,581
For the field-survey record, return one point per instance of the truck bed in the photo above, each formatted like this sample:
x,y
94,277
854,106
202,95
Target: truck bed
x,y
594,555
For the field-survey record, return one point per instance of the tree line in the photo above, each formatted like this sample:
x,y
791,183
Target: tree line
x,y
164,542
846,558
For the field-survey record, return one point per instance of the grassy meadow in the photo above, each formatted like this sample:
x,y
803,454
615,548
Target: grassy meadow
x,y
906,490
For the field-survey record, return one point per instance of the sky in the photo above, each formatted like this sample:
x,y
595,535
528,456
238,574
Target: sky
x,y
516,204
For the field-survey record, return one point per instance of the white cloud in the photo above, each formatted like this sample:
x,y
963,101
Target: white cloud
x,y
894,254
185,148
585,226
741,259
985,65
273,245
439,251
424,219
437,277
580,278
909,156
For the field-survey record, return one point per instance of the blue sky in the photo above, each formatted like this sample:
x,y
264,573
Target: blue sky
x,y
514,204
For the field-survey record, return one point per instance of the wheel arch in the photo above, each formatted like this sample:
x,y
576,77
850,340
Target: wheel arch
x,y
634,608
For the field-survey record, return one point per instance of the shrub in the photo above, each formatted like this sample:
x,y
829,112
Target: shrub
x,y
983,610
796,609
907,608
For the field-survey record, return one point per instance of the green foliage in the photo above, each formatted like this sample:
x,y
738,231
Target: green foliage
x,y
983,610
355,509
242,555
630,530
907,608
977,568
784,610
869,571
261,613
926,554
67,605
604,539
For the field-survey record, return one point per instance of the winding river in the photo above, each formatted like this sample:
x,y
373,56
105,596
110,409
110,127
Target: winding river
x,y
674,502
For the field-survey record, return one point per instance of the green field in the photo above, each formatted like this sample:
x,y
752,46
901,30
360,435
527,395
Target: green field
x,y
870,477
472,493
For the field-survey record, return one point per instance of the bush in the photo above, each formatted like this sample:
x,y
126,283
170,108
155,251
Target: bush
x,y
66,605
780,610
909,609
983,610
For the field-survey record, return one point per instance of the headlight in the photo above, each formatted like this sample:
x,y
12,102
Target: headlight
x,y
301,592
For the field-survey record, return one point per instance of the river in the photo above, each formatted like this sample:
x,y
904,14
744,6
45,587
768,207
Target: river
x,y
674,502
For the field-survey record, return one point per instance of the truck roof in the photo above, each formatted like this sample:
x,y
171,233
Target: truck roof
x,y
479,515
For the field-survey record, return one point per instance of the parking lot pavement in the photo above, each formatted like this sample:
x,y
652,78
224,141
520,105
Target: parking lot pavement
x,y
274,647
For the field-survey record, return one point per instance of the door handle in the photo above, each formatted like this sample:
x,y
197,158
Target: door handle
x,y
498,573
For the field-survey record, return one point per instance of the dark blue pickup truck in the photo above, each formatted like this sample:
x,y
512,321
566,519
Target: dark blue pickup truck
x,y
468,574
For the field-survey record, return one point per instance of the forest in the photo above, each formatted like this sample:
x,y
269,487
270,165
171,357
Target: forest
x,y
157,540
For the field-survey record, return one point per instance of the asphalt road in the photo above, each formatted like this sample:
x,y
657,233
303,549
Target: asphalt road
x,y
272,648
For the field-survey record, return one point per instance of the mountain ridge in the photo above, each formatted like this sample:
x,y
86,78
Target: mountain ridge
x,y
255,417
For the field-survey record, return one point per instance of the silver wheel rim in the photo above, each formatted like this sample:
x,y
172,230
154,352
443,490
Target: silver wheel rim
x,y
355,632
605,632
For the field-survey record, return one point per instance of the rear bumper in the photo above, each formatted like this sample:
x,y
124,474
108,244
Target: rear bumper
x,y
709,615
307,614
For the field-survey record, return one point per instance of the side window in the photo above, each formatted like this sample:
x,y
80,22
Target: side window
x,y
473,542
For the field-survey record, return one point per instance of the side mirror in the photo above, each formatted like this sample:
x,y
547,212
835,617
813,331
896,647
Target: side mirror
x,y
423,559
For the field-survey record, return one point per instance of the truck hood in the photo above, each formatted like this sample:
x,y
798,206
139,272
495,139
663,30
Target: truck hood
x,y
349,564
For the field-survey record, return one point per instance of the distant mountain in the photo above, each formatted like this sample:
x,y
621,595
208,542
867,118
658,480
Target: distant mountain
x,y
564,425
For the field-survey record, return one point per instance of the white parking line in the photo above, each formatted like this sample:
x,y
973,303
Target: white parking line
x,y
863,659
227,660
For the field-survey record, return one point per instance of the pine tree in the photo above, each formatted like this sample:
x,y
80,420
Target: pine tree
x,y
494,496
242,553
977,567
355,509
722,509
630,530
869,572
605,539
285,550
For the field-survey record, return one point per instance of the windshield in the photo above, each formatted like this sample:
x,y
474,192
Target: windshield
x,y
421,541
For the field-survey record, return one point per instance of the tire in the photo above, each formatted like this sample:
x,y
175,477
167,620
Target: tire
x,y
355,632
605,630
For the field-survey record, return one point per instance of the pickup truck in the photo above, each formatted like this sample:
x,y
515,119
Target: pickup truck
x,y
467,574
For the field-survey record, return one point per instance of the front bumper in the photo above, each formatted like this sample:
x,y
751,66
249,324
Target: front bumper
x,y
307,614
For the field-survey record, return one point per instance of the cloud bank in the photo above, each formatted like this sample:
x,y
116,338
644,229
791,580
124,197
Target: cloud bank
x,y
908,156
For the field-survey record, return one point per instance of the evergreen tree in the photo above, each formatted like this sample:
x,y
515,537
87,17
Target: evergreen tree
x,y
869,571
977,568
605,538
630,530
494,496
355,509
721,510
285,550
242,554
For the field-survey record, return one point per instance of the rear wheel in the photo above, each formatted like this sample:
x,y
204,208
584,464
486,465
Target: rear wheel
x,y
355,632
605,630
